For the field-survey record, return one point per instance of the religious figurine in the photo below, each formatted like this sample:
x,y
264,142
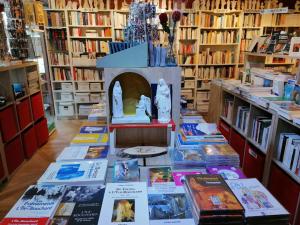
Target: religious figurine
x,y
74,5
163,102
297,5
207,5
163,4
117,101
80,4
85,4
275,4
233,5
96,4
156,2
228,5
238,5
280,5
253,5
212,5
101,4
196,4
202,5
116,4
91,4
262,5
243,6
143,108
217,4
169,4
223,4
69,5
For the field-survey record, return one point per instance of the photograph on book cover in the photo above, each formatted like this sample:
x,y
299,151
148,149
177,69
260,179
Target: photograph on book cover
x,y
123,211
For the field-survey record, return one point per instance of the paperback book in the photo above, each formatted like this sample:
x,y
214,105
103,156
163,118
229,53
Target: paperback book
x,y
160,176
126,170
75,173
187,158
170,207
36,206
196,131
74,153
80,205
93,130
90,139
227,172
179,176
125,203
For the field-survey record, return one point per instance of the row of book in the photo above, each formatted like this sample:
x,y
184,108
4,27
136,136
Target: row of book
x,y
228,108
252,20
83,32
218,37
59,74
250,34
89,18
244,46
216,72
188,72
220,21
261,126
216,57
56,19
120,20
119,35
288,152
80,74
242,119
187,33
58,39
191,19
187,60
280,20
59,58
81,46
186,49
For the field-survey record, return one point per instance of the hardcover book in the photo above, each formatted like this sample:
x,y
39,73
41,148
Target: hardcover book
x,y
160,175
76,172
170,207
74,153
37,205
90,139
80,205
127,170
227,172
188,157
211,195
125,203
93,130
179,176
192,130
256,199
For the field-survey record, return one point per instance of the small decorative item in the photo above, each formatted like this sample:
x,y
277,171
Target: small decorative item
x,y
228,5
246,4
163,17
202,5
253,4
223,3
217,4
175,4
262,5
91,4
233,5
163,102
101,4
182,5
238,5
117,101
96,4
157,56
69,4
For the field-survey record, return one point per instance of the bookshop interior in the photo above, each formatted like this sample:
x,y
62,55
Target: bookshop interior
x,y
149,112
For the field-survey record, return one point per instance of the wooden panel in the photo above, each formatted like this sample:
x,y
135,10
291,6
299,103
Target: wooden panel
x,y
215,106
237,142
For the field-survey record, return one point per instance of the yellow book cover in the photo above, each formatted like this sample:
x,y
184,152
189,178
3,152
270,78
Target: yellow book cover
x,y
90,139
39,13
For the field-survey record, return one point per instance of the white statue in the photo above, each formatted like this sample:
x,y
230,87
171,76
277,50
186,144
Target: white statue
x,y
175,5
143,108
163,102
117,101
164,4
91,4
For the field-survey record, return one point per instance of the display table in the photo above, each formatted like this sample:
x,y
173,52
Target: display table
x,y
170,127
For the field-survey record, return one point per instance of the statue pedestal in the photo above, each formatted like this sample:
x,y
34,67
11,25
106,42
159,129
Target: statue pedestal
x,y
130,120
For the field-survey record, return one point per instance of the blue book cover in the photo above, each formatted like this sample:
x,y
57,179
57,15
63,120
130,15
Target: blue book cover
x,y
199,130
93,130
188,157
204,141
127,170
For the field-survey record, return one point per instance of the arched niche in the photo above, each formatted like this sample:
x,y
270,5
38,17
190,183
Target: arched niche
x,y
133,86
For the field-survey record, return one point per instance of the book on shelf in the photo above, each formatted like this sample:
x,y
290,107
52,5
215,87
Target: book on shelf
x,y
158,176
179,176
210,56
57,39
190,19
286,109
89,18
227,172
125,203
59,58
228,108
80,46
86,74
259,204
186,48
212,200
288,152
219,21
93,130
120,20
169,207
187,34
93,33
218,37
75,172
252,20
242,118
36,206
90,140
212,72
250,34
261,127
56,19
60,74
186,60
80,205
126,171
75,153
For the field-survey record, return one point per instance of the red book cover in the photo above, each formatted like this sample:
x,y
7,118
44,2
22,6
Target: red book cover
x,y
211,195
25,221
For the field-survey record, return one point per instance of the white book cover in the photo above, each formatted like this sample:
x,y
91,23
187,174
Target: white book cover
x,y
73,153
169,207
38,201
76,172
125,203
255,198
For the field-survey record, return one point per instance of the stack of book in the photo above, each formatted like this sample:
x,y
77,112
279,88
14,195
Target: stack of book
x,y
227,172
192,135
261,130
212,200
242,120
220,155
186,158
261,208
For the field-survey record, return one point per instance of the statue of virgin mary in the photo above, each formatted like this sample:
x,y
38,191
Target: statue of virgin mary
x,y
117,105
163,102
